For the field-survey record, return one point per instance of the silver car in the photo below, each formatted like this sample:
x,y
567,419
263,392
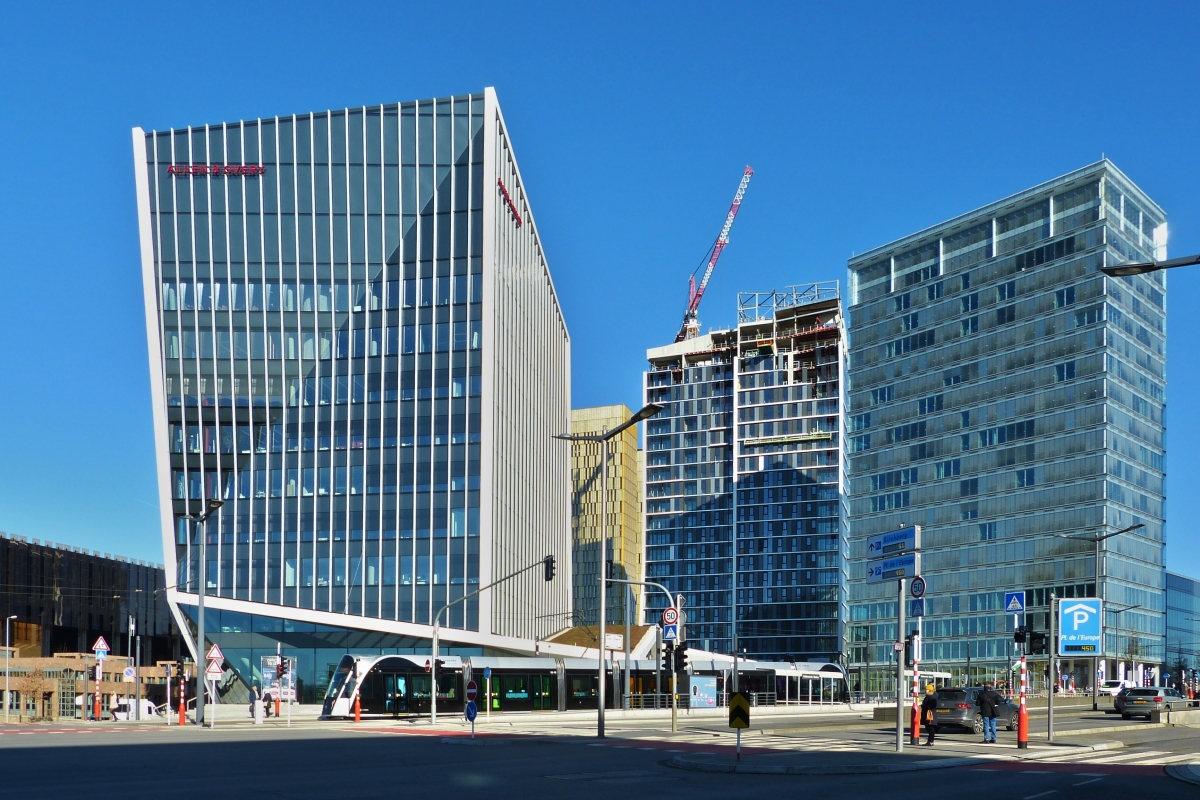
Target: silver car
x,y
1142,700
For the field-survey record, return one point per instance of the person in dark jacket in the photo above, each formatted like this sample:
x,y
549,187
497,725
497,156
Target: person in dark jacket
x,y
929,714
989,702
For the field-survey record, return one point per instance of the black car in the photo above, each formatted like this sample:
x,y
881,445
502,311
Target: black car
x,y
960,707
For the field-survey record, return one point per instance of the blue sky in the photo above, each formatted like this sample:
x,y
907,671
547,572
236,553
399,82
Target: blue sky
x,y
632,124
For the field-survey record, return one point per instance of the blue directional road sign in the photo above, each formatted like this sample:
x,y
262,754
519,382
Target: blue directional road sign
x,y
472,711
891,569
670,632
904,540
916,608
1079,626
1014,602
487,673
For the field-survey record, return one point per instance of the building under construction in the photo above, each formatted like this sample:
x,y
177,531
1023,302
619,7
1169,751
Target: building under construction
x,y
746,519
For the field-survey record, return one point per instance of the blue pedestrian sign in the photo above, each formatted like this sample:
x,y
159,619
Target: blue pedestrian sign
x,y
916,608
1079,626
472,711
487,673
1014,602
670,632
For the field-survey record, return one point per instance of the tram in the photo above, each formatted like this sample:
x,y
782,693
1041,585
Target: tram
x,y
400,685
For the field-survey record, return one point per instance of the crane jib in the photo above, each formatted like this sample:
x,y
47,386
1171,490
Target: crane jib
x,y
690,327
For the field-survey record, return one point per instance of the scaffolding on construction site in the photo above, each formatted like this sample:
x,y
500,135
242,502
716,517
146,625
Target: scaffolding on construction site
x,y
756,306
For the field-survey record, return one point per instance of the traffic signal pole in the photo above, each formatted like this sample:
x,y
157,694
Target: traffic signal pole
x,y
900,667
546,563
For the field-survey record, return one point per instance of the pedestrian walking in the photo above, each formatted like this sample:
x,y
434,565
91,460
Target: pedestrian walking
x,y
989,703
929,714
253,700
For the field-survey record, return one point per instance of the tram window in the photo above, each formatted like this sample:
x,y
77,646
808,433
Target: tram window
x,y
420,686
516,687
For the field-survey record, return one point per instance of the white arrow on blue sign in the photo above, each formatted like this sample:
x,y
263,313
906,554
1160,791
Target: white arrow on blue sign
x,y
894,542
472,710
670,633
1014,602
891,569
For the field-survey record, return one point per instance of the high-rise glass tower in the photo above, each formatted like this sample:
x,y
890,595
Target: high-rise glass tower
x,y
1003,394
355,342
744,478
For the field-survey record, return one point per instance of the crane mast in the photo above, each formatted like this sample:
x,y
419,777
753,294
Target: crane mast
x,y
691,322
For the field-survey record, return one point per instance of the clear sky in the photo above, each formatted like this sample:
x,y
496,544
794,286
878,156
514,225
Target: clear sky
x,y
632,124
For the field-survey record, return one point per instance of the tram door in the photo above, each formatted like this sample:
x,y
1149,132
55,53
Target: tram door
x,y
543,694
396,700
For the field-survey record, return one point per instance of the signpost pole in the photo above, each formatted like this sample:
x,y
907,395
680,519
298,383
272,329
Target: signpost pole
x,y
900,667
1052,651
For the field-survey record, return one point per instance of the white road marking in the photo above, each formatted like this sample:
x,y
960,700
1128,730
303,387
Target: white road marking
x,y
1085,783
1041,794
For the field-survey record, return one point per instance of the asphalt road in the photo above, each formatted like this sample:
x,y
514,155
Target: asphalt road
x,y
343,761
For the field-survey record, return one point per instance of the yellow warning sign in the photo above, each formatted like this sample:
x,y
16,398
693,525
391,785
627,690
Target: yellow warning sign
x,y
739,711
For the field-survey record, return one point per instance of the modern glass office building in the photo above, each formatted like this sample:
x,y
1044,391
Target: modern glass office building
x,y
1004,394
1183,627
744,512
355,342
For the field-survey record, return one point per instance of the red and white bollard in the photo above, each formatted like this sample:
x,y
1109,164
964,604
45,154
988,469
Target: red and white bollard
x,y
1023,714
914,724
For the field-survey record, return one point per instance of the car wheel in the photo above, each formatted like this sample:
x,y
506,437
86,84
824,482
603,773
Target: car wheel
x,y
1126,716
1012,724
977,724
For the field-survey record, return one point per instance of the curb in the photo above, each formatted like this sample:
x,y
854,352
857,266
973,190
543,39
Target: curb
x,y
1111,729
1185,773
845,769
478,742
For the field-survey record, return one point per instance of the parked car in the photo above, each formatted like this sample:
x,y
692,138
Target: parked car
x,y
1111,688
960,707
1142,700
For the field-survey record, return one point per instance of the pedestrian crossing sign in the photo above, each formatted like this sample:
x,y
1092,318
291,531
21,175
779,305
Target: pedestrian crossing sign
x,y
1014,602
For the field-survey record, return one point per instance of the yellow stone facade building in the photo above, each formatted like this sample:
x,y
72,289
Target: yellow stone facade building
x,y
624,514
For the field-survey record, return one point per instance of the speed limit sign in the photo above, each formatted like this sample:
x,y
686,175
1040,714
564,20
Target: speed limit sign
x,y
918,587
670,616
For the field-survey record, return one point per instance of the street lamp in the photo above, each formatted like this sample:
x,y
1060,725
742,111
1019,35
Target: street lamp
x,y
603,438
1096,540
199,520
7,661
1123,270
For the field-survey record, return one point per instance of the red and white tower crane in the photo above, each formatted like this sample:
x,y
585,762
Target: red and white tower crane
x,y
691,322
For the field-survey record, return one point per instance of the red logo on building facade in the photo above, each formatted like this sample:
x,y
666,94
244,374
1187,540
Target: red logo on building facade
x,y
511,206
216,169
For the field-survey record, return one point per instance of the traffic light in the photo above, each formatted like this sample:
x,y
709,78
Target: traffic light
x,y
548,568
668,655
1019,635
1037,643
609,573
279,668
681,658
439,664
908,641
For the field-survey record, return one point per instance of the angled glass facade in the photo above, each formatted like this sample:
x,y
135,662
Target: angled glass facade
x,y
1003,392
356,344
744,512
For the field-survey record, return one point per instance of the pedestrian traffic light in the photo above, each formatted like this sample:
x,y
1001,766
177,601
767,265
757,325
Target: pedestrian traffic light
x,y
279,668
681,657
1019,635
609,573
1037,643
668,655
548,568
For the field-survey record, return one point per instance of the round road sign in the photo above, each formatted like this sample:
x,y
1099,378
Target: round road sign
x,y
472,691
918,587
471,711
670,616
